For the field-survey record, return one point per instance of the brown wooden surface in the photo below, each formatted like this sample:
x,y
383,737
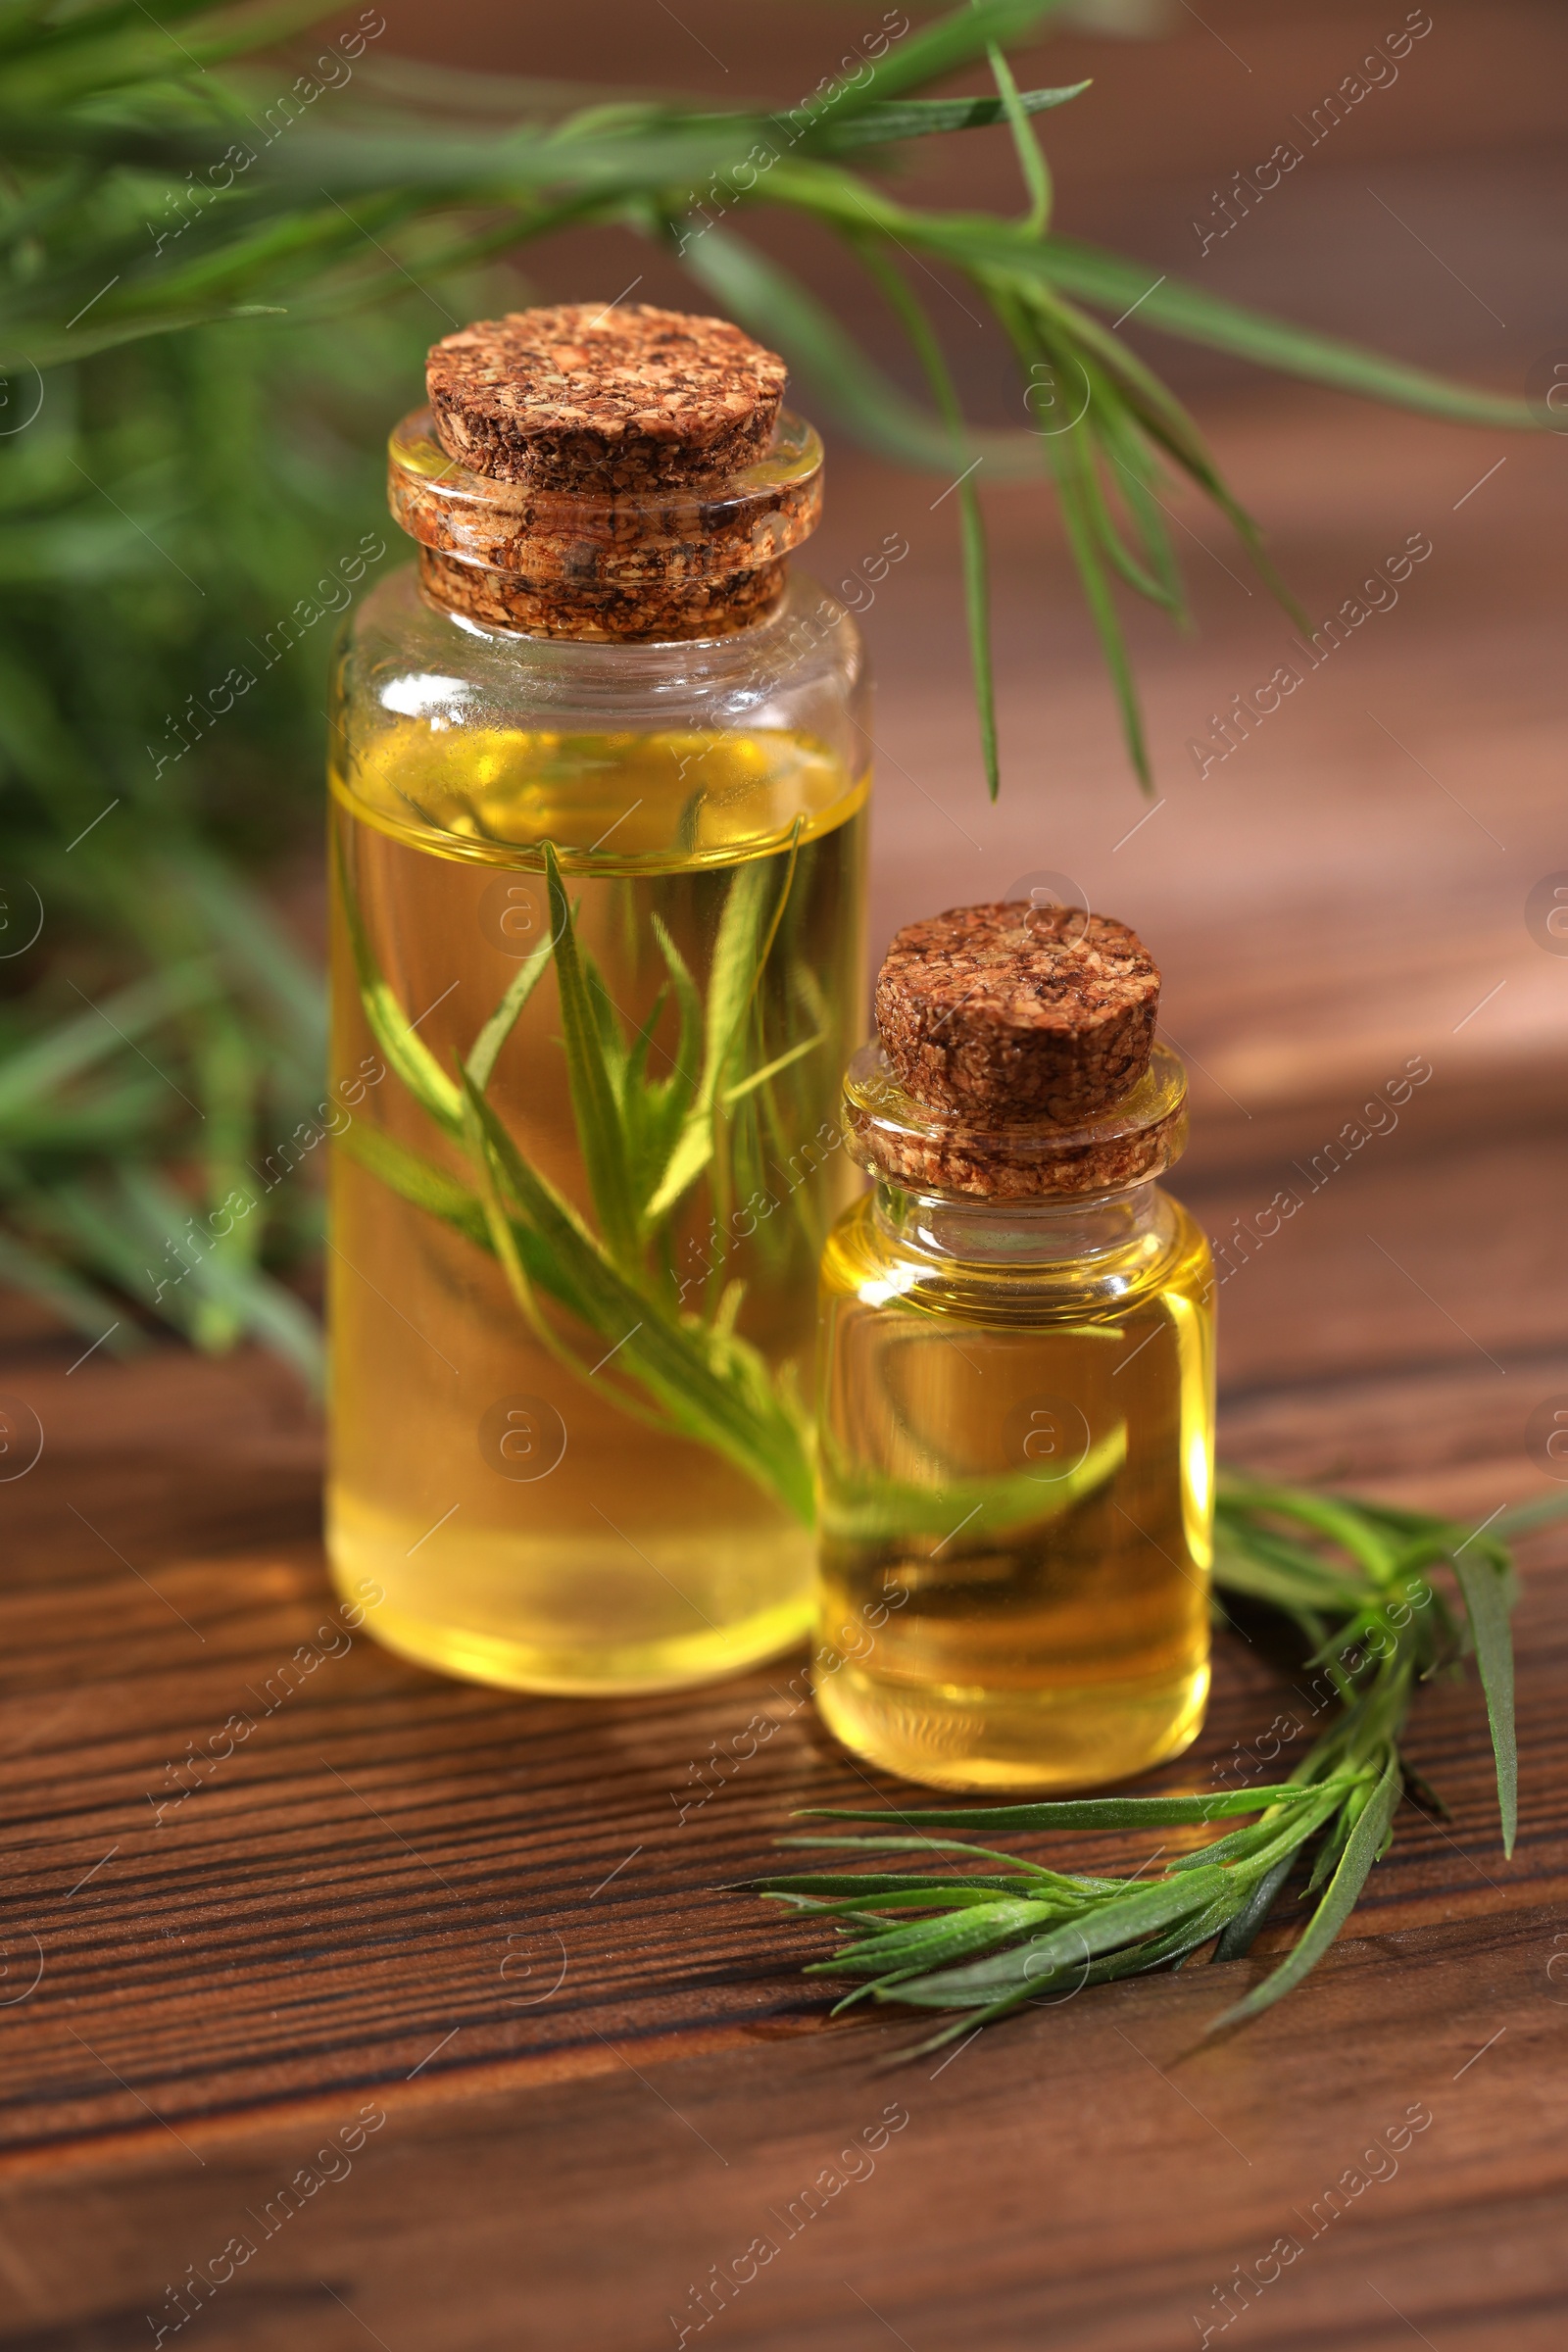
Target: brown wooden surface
x,y
400,1890
600,2071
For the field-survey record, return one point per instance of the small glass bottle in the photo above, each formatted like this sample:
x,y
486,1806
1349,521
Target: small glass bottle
x,y
600,780
1015,1373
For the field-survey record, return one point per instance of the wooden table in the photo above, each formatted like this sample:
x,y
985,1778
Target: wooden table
x,y
497,1927
427,2019
500,1925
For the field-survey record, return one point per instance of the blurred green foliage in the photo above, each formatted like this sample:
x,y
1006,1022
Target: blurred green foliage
x,y
215,286
174,514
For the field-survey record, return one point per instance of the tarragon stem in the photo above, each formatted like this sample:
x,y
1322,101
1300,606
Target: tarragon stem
x,y
644,1143
989,1945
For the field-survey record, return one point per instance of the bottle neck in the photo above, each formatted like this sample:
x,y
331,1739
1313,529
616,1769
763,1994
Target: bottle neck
x,y
1020,1165
1022,1235
665,566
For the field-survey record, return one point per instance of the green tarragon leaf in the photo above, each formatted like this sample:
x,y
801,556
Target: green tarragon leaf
x,y
886,120
1361,1850
1487,1602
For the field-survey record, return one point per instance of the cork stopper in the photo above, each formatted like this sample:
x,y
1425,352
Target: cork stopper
x,y
933,1153
615,475
1016,1059
583,398
1011,1011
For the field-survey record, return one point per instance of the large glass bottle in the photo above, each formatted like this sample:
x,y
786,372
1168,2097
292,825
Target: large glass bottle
x,y
599,852
1016,1400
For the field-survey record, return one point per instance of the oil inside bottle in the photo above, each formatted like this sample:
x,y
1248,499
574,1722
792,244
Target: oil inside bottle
x,y
1015,1493
525,1521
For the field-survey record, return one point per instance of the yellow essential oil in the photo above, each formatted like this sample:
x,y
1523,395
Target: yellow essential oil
x,y
1016,1483
599,794
524,1527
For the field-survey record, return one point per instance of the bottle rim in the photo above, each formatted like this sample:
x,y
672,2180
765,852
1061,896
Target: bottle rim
x,y
757,516
939,1155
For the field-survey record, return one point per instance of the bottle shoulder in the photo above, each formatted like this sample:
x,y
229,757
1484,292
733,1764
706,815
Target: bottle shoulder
x,y
479,744
399,653
868,1263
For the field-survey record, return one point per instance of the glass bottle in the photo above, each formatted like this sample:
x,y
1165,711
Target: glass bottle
x,y
599,780
1016,1412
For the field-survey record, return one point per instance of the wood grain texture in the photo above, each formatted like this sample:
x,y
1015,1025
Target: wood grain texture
x,y
1091,2178
510,1927
396,1876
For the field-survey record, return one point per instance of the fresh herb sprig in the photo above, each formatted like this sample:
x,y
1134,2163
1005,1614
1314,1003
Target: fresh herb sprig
x,y
1350,1577
338,213
646,1143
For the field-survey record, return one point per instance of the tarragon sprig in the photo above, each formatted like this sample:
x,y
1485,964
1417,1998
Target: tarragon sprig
x,y
645,1143
1347,1576
333,217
